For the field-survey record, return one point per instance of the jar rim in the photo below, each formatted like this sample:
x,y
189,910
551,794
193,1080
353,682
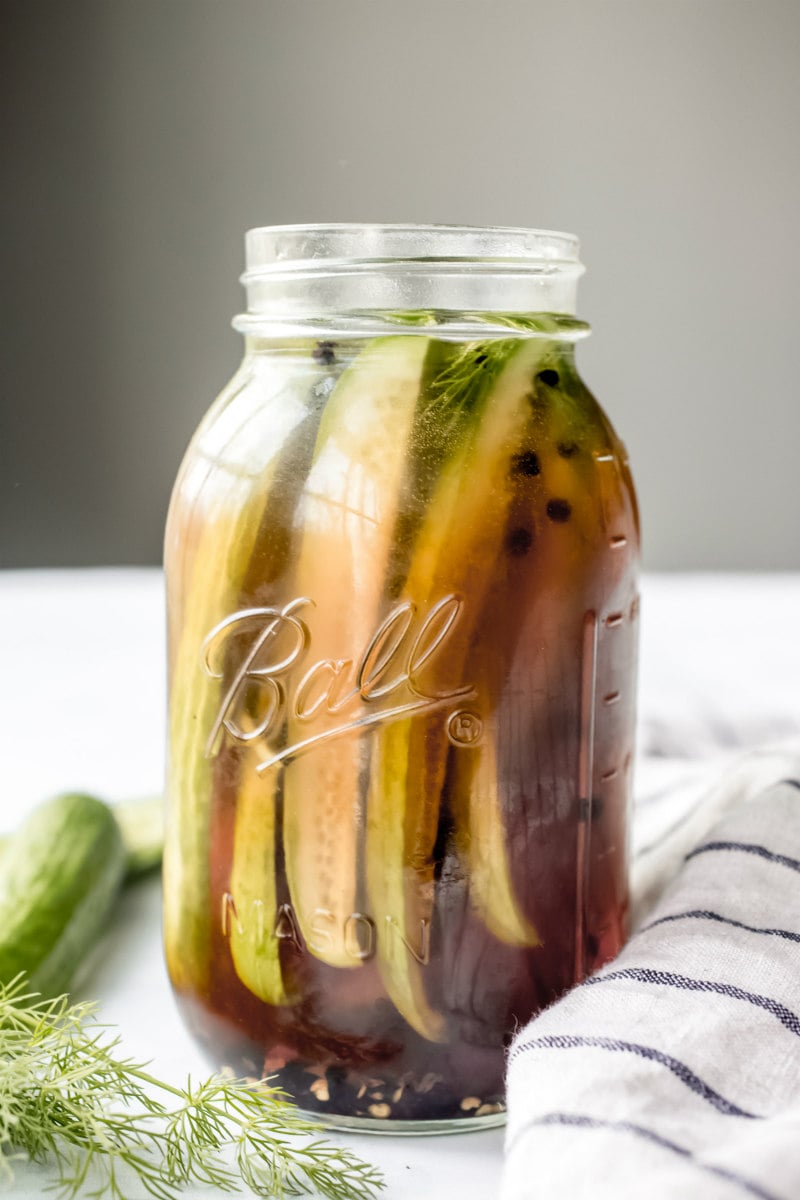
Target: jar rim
x,y
277,248
325,276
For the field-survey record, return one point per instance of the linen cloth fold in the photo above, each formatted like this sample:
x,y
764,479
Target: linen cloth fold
x,y
674,1072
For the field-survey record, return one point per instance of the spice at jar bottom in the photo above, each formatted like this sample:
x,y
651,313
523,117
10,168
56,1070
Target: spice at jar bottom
x,y
401,564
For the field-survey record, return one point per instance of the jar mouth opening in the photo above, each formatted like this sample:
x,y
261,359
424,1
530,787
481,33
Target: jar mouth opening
x,y
278,249
301,276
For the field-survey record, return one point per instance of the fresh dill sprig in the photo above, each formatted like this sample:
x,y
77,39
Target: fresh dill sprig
x,y
466,377
68,1099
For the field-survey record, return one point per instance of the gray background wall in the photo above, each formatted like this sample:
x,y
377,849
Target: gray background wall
x,y
142,138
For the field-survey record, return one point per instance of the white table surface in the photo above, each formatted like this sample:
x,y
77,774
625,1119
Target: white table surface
x,y
82,707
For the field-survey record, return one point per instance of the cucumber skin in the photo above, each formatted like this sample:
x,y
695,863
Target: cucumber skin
x,y
142,825
61,873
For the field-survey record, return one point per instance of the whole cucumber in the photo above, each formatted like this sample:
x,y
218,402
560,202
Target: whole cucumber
x,y
59,877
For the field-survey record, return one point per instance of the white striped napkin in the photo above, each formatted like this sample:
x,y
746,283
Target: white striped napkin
x,y
674,1073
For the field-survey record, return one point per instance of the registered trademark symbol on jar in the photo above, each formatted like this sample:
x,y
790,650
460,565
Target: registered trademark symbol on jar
x,y
464,728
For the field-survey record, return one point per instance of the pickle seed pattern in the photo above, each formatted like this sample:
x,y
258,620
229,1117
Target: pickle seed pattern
x,y
549,377
519,541
559,510
526,464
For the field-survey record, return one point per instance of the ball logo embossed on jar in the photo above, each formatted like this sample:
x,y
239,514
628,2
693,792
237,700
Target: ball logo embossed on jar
x,y
272,649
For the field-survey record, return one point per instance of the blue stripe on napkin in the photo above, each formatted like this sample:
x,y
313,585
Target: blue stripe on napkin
x,y
577,1121
705,914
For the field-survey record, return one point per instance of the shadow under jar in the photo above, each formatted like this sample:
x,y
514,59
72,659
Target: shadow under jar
x,y
401,563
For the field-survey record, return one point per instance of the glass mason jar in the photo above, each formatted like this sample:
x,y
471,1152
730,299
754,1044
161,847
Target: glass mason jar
x,y
401,559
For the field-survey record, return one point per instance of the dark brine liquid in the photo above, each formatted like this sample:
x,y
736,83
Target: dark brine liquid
x,y
416,700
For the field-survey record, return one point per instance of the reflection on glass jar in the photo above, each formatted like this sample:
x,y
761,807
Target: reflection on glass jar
x,y
401,559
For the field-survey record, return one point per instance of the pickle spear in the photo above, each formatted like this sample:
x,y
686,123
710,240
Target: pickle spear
x,y
226,514
452,563
347,513
482,839
253,885
551,520
557,519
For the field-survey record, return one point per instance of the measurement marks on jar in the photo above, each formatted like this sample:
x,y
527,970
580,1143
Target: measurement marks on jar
x,y
605,716
618,619
585,776
611,487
